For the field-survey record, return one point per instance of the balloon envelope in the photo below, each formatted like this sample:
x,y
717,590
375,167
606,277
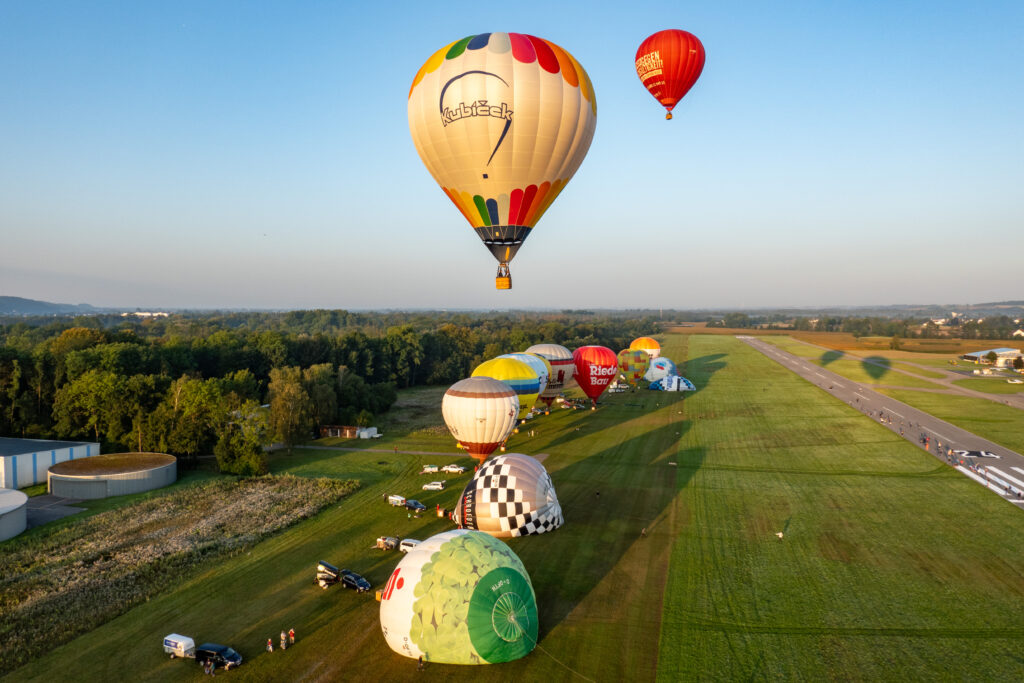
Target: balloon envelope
x,y
536,363
502,121
562,369
596,367
519,376
509,495
460,597
480,413
668,64
651,346
660,368
633,364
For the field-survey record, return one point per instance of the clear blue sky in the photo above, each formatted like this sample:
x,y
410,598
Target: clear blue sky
x,y
235,154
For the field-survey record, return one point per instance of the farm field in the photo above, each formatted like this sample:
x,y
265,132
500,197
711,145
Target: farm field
x,y
874,578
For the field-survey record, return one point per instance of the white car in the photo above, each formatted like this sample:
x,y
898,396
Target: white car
x,y
453,469
428,468
408,544
434,486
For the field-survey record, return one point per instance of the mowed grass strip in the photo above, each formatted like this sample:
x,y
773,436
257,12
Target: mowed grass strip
x,y
877,577
872,370
991,386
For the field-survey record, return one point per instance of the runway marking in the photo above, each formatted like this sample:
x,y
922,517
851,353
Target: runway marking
x,y
998,471
859,396
839,385
820,375
979,479
895,413
946,438
1017,469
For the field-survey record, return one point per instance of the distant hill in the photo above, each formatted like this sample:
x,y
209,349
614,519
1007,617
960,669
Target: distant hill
x,y
15,305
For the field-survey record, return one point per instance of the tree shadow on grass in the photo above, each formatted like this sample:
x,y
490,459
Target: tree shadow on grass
x,y
830,357
876,366
607,499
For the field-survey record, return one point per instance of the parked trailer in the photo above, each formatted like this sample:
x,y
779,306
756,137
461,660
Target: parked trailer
x,y
177,645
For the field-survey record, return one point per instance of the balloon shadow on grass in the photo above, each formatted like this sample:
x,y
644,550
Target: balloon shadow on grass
x,y
830,357
876,366
606,499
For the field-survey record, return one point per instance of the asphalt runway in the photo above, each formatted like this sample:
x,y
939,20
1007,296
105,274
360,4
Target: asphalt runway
x,y
996,467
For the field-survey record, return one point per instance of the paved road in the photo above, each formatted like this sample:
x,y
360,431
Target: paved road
x,y
998,474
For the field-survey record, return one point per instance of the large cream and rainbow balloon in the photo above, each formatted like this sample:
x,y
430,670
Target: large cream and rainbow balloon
x,y
502,121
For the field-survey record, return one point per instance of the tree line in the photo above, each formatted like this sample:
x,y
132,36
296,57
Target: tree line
x,y
228,384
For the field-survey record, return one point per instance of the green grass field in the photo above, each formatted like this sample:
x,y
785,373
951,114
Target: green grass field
x,y
990,386
878,372
891,566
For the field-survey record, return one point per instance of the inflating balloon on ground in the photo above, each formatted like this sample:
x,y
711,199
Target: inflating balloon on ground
x,y
460,597
596,367
519,376
480,412
562,369
510,495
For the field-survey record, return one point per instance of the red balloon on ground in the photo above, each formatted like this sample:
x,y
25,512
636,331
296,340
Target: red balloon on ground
x,y
669,63
596,367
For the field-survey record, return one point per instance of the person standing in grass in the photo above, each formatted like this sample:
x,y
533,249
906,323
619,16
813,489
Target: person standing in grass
x,y
291,636
284,641
270,645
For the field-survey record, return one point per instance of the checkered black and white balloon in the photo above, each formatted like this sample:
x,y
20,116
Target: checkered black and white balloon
x,y
510,495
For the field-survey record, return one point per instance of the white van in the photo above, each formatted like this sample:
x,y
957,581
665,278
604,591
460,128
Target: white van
x,y
177,645
397,501
408,544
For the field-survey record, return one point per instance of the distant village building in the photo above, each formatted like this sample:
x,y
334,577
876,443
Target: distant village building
x,y
146,314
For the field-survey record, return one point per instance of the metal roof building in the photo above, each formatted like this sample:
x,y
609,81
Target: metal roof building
x,y
24,462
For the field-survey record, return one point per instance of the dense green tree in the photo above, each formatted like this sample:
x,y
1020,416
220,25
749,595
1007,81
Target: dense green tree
x,y
291,409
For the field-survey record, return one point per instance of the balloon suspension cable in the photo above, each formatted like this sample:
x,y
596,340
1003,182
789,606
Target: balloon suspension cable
x,y
512,618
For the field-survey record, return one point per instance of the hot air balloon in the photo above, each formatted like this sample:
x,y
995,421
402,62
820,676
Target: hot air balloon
x,y
502,121
562,369
519,376
460,597
651,346
633,363
480,413
536,363
510,495
668,64
596,367
660,368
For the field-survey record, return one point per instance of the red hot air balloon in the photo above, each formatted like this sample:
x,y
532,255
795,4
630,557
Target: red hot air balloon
x,y
669,63
596,367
